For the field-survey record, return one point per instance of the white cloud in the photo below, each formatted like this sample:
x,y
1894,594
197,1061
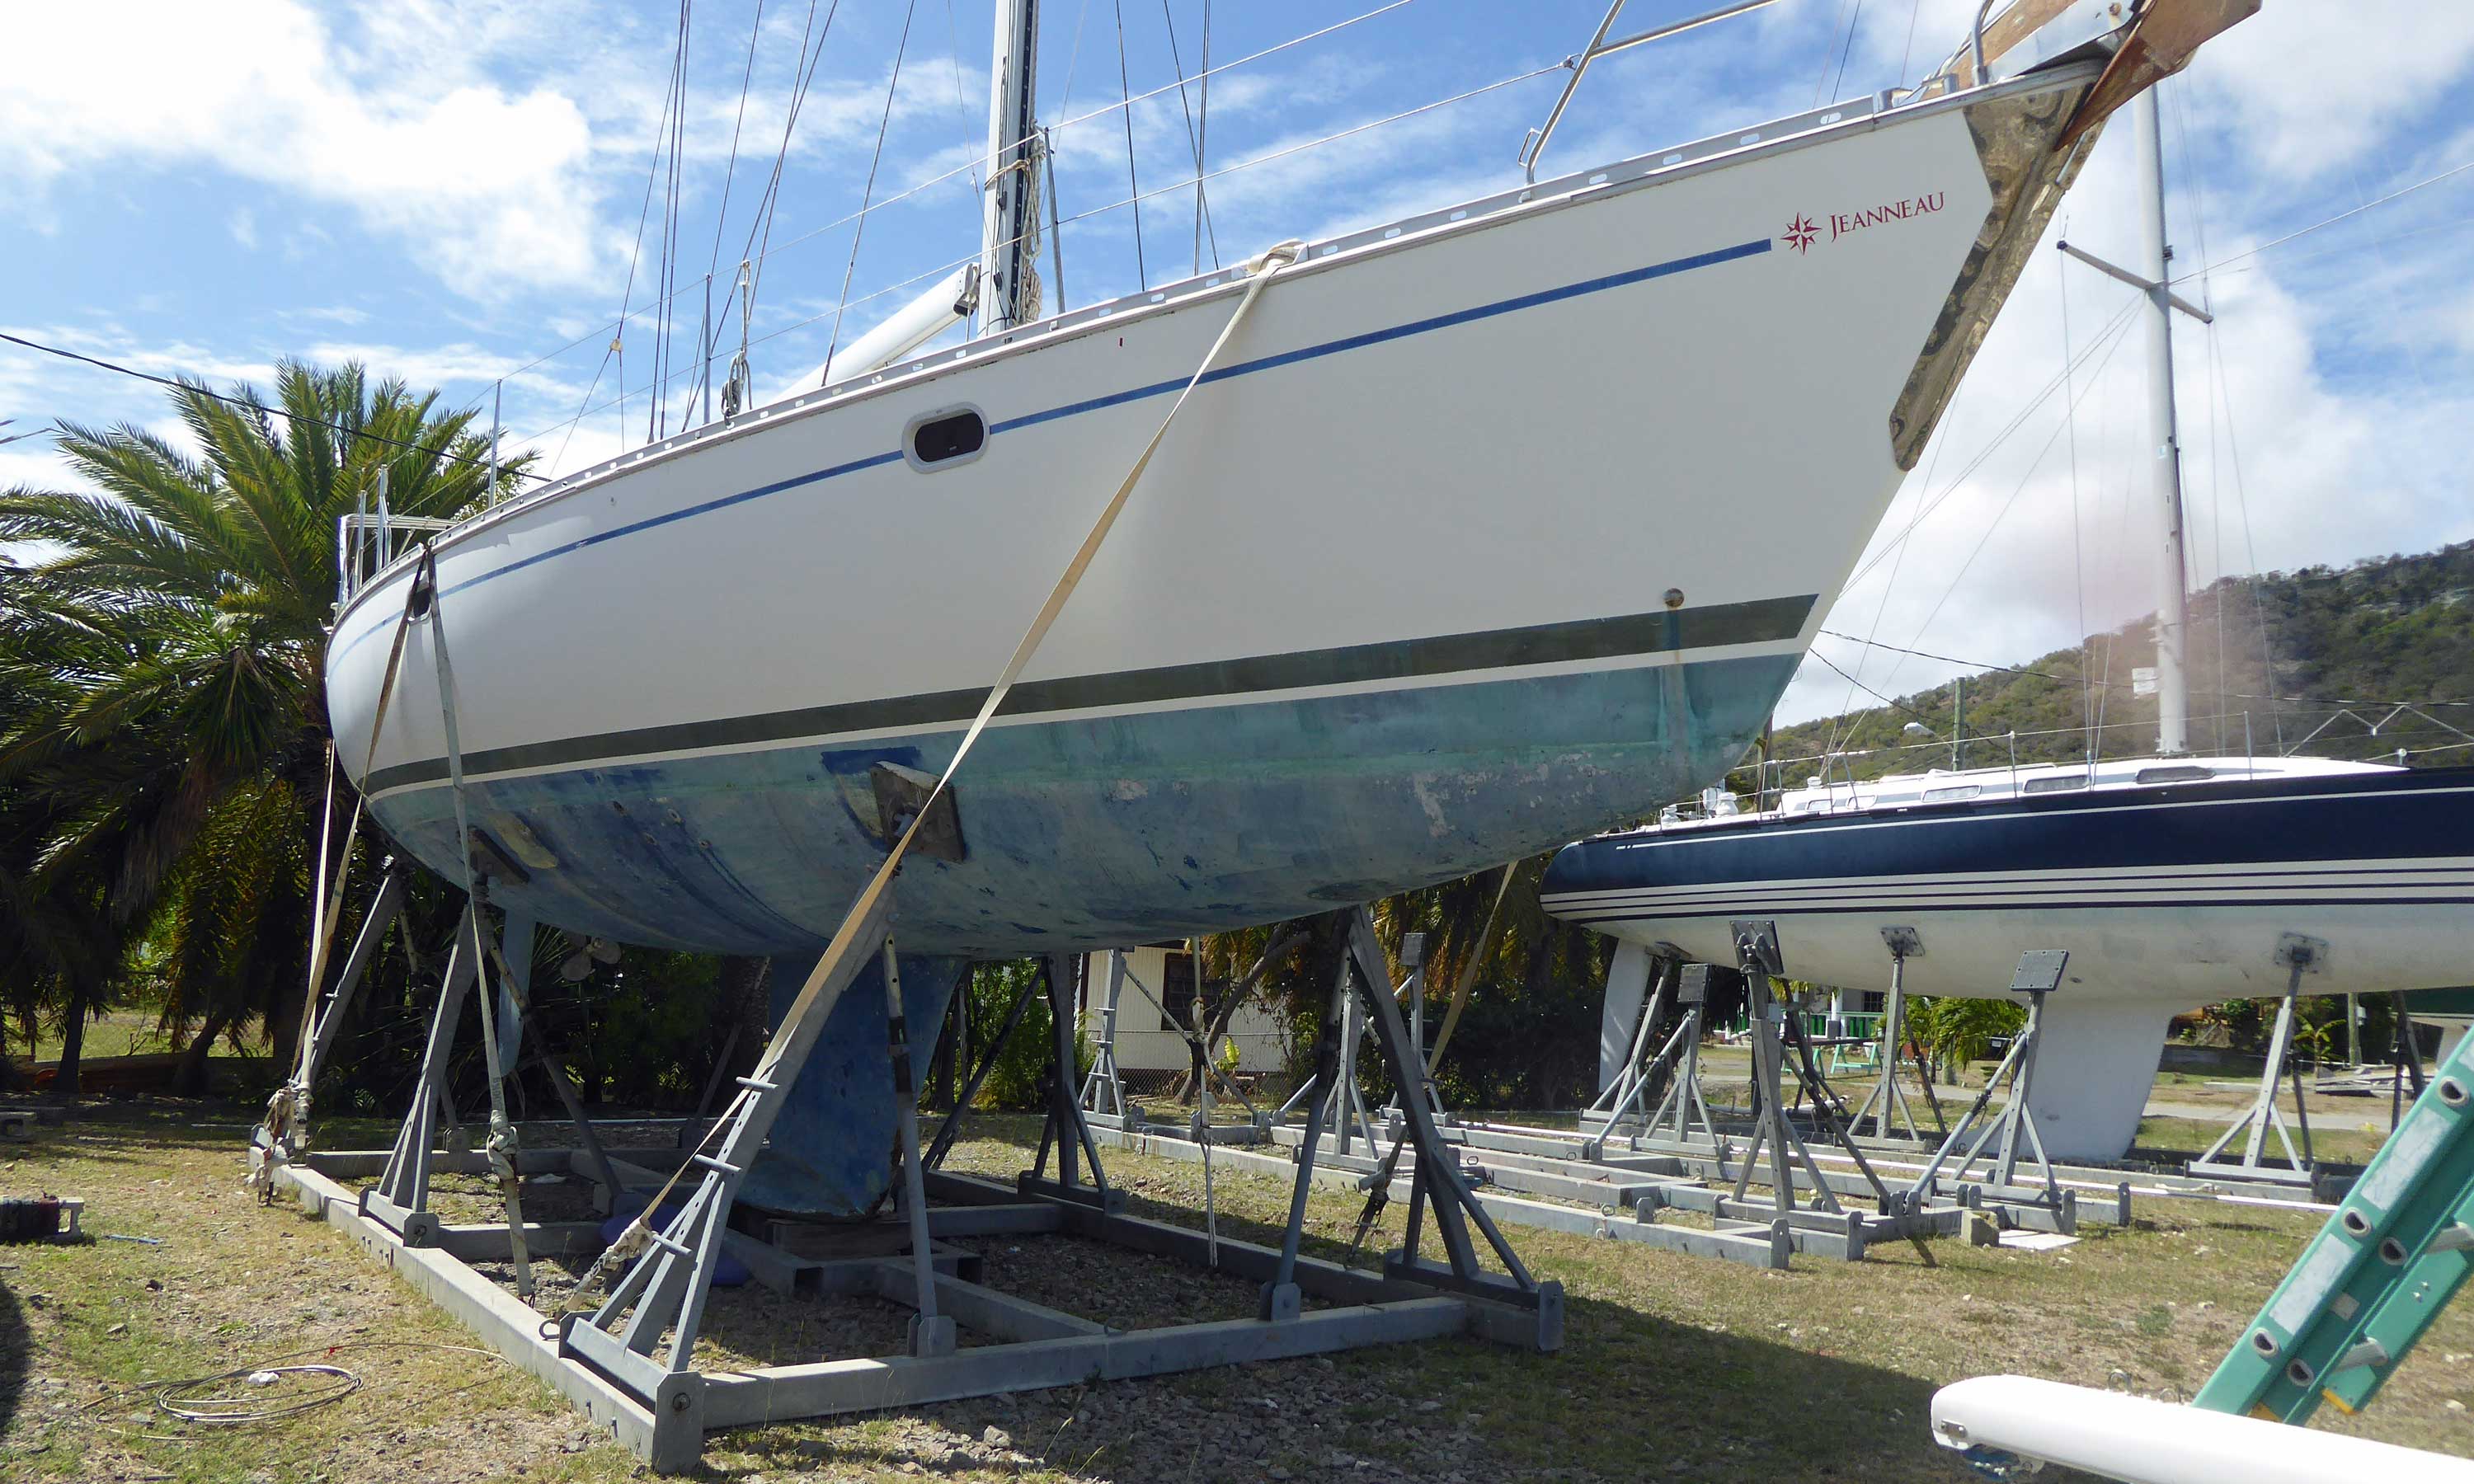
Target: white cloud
x,y
243,225
487,184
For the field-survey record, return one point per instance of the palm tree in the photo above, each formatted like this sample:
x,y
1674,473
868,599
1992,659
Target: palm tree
x,y
164,646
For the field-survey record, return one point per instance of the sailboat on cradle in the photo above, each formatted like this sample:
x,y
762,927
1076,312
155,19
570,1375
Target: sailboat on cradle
x,y
695,686
2173,880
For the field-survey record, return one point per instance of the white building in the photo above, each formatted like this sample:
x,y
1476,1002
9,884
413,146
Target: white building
x,y
1148,1044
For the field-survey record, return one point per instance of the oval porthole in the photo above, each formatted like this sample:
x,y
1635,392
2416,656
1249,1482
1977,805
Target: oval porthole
x,y
945,438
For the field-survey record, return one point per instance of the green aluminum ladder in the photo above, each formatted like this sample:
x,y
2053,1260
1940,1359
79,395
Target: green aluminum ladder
x,y
2377,1274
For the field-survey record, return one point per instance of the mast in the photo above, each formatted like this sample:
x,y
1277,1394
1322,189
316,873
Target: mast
x,y
2173,578
1008,241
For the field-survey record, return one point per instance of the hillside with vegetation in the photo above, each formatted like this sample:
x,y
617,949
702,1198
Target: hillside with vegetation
x,y
2318,659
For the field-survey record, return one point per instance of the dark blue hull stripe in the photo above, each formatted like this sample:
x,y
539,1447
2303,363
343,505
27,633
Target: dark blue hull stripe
x,y
1514,305
1914,907
2369,822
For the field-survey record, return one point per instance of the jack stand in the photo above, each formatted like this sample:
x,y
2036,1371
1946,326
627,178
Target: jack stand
x,y
2300,955
931,1333
1756,954
1104,1091
401,1199
1673,1118
1065,1129
2040,973
1332,1095
285,1133
1412,958
2407,1057
1619,1110
1435,1179
1346,1105
1888,1100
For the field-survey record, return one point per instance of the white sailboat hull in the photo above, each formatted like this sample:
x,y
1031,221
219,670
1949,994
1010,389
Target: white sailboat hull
x,y
1484,535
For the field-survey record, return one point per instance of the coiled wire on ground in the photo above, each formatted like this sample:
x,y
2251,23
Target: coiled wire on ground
x,y
192,1399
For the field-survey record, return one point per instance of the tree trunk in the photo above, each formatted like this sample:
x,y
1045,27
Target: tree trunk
x,y
64,1082
744,1005
191,1077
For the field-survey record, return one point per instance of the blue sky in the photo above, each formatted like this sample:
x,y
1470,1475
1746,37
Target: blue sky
x,y
451,190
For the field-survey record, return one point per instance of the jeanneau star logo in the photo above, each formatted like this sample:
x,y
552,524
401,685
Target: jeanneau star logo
x,y
1800,233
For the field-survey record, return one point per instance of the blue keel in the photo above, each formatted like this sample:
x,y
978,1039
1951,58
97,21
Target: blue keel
x,y
831,1152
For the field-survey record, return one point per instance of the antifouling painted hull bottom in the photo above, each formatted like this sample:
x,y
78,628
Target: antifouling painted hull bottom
x,y
1101,832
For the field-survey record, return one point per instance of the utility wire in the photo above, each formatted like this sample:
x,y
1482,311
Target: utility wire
x,y
245,405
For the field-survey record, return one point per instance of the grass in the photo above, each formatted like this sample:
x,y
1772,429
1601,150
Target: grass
x,y
1684,1367
118,1033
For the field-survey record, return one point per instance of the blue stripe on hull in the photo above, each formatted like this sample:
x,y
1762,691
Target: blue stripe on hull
x,y
2366,817
1113,830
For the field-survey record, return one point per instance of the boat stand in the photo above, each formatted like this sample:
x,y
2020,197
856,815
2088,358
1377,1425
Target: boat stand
x,y
1104,1101
2039,974
1887,1100
1413,960
1680,1121
1104,1091
629,1363
2300,955
1333,1096
285,1131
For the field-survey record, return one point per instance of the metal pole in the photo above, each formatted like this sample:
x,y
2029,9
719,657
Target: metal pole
x,y
927,1336
1056,231
2173,616
1005,250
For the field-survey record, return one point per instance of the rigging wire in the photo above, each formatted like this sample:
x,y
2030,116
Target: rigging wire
x,y
942,269
2206,268
1907,52
1074,58
2012,669
953,53
803,73
2078,559
884,126
2190,177
1848,46
710,337
1995,523
635,256
2111,328
657,413
1142,274
1194,141
607,328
